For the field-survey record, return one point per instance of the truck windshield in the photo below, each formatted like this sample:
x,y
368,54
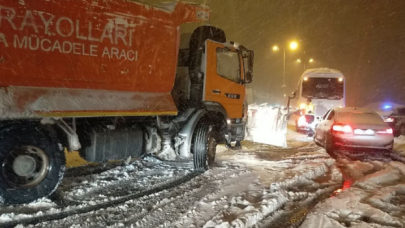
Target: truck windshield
x,y
322,88
228,64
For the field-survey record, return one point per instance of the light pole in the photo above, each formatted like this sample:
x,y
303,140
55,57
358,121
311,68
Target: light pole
x,y
311,60
292,46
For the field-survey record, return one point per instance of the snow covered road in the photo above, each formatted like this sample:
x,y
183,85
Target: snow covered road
x,y
258,186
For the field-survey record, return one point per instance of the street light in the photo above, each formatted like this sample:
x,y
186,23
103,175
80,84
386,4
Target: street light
x,y
293,45
311,60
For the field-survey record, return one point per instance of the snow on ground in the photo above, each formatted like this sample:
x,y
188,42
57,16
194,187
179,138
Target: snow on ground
x,y
399,145
246,188
373,195
258,186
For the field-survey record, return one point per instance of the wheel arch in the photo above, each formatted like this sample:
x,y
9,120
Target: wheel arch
x,y
53,131
215,114
219,117
215,107
15,124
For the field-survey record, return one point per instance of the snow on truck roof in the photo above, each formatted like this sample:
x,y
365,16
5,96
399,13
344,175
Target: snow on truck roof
x,y
322,72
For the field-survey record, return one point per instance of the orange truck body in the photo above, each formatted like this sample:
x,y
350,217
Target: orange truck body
x,y
107,78
77,58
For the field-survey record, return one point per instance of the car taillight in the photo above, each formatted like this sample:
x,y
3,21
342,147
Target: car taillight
x,y
302,121
309,118
342,128
390,120
387,131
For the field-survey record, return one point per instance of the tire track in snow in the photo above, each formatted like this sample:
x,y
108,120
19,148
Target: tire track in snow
x,y
152,208
277,197
119,181
62,213
299,204
169,215
216,203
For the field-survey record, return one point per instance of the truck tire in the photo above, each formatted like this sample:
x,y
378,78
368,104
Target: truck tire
x,y
204,146
32,164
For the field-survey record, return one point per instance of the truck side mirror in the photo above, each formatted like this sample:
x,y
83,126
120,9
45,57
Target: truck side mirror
x,y
248,77
248,55
251,55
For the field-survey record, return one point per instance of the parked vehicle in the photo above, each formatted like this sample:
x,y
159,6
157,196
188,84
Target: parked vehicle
x,y
396,120
353,128
305,123
322,89
100,77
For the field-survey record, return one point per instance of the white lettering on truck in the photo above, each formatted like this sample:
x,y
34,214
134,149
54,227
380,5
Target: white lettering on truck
x,y
45,28
29,21
9,14
46,22
58,29
3,39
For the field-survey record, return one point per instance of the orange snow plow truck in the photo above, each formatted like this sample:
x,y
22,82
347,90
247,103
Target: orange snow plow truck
x,y
108,78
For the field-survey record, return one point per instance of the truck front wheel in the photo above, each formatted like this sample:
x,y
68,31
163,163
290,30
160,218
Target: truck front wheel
x,y
204,146
32,164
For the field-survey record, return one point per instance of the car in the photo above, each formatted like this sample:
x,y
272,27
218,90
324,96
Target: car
x,y
305,123
353,128
396,120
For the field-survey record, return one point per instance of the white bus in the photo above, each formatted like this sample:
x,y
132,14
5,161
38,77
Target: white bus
x,y
324,87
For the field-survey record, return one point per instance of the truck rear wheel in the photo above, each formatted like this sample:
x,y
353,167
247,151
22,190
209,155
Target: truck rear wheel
x,y
204,146
32,164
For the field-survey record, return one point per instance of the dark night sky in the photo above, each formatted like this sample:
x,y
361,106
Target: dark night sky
x,y
364,39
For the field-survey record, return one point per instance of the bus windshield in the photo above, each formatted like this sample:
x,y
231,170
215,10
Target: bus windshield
x,y
322,88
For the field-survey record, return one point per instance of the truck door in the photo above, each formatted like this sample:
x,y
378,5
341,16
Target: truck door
x,y
224,77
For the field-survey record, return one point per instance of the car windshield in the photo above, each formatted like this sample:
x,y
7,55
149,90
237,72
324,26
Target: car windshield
x,y
360,118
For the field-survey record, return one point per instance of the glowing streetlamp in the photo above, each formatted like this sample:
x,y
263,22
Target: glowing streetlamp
x,y
311,60
292,46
